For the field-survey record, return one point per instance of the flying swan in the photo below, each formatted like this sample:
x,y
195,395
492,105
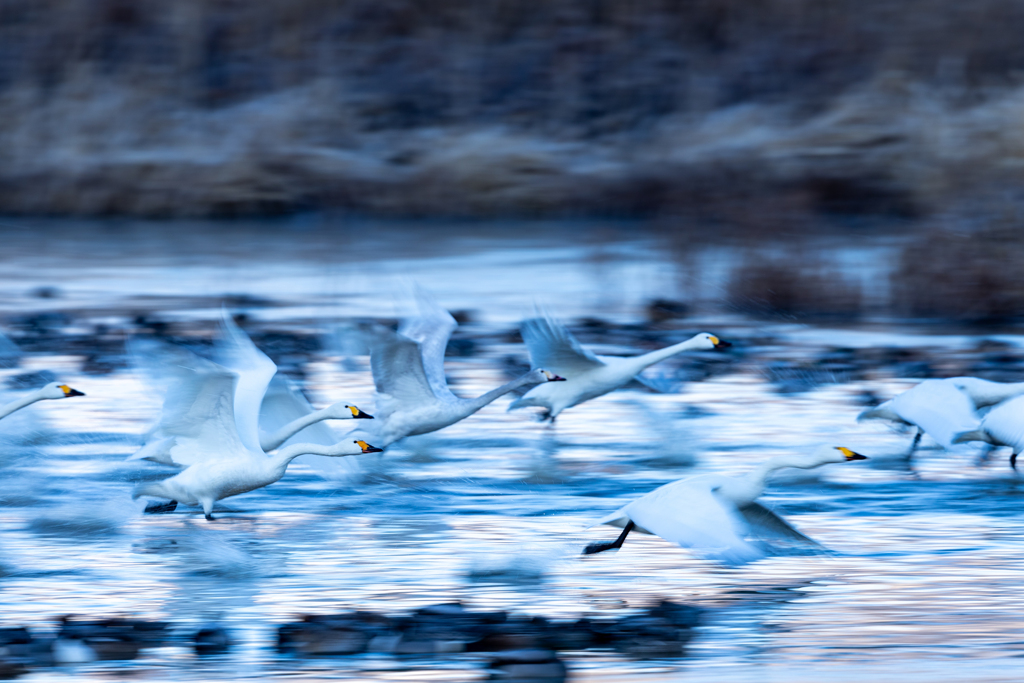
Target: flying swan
x,y
587,376
408,372
208,416
714,515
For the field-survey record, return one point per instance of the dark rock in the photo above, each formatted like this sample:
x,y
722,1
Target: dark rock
x,y
212,639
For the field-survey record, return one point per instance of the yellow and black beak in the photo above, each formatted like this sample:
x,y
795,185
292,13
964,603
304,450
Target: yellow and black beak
x,y
359,415
720,343
552,377
367,448
69,392
850,455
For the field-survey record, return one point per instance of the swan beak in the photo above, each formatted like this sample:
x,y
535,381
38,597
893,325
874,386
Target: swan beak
x,y
359,415
850,455
69,392
552,377
720,343
367,448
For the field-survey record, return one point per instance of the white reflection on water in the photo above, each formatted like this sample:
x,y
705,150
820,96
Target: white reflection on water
x,y
493,512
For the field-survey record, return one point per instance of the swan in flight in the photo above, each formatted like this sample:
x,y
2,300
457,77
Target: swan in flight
x,y
236,352
943,408
408,372
53,390
714,515
210,419
588,376
1001,426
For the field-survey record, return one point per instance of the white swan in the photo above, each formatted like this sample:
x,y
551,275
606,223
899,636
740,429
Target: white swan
x,y
714,514
206,421
408,371
1001,426
941,408
53,390
587,376
255,370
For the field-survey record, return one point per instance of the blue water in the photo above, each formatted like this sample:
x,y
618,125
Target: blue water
x,y
923,581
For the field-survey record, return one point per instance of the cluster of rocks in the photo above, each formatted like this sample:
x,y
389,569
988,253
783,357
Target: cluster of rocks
x,y
79,641
520,647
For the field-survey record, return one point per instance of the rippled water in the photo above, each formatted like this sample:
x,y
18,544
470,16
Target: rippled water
x,y
924,581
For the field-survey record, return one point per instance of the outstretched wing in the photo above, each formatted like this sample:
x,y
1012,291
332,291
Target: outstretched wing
x,y
939,408
431,329
397,367
553,348
198,417
688,512
237,352
767,525
284,403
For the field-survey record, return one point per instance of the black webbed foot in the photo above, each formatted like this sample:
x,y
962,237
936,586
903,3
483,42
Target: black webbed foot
x,y
209,516
160,508
600,547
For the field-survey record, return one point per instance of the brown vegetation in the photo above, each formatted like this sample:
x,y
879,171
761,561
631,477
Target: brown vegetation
x,y
791,287
724,110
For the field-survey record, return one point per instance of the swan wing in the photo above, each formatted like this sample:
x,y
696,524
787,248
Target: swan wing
x,y
254,369
398,373
431,329
1005,423
198,419
284,403
939,408
767,525
689,513
554,348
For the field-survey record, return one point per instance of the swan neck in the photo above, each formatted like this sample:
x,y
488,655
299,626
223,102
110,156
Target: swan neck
x,y
474,404
274,440
20,403
758,477
284,456
648,359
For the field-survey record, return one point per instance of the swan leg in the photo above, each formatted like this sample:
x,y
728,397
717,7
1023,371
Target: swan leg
x,y
1013,461
987,451
614,545
916,442
207,509
160,508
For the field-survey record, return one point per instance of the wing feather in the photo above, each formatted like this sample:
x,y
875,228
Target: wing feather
x,y
397,367
255,370
431,329
554,348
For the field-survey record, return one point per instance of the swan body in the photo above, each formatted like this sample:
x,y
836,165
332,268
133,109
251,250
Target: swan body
x,y
201,425
52,391
937,407
1001,426
253,370
714,514
408,372
985,392
587,376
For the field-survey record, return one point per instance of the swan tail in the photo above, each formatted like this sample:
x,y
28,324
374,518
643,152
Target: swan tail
x,y
974,435
153,489
155,451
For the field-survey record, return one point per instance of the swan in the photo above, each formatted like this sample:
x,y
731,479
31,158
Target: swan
x,y
205,418
53,390
713,514
588,376
236,352
942,408
1001,426
408,372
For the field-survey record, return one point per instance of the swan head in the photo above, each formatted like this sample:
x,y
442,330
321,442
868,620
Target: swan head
x,y
845,455
710,341
548,376
346,411
367,448
55,390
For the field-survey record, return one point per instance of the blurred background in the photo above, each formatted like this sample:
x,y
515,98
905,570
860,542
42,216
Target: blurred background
x,y
835,186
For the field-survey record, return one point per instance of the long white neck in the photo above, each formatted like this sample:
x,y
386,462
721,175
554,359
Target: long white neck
x,y
755,480
25,400
283,457
471,405
273,441
639,363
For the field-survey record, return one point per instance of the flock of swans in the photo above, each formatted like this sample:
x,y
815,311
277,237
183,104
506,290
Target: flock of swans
x,y
233,424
